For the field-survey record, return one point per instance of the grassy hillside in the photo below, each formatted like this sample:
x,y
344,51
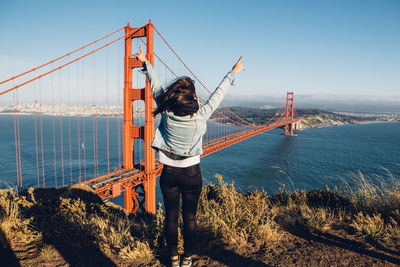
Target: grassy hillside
x,y
72,226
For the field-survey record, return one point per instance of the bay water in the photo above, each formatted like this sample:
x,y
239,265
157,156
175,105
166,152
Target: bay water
x,y
314,158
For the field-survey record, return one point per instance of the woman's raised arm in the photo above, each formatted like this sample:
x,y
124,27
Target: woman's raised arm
x,y
149,71
215,99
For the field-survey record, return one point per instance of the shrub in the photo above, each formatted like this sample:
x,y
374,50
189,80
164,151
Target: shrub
x,y
373,227
243,221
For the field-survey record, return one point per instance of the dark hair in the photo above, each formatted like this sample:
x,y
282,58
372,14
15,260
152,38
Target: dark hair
x,y
179,97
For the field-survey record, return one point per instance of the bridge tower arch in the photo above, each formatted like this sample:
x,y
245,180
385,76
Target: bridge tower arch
x,y
131,131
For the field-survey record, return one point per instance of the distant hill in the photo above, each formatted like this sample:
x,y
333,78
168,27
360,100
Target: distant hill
x,y
309,118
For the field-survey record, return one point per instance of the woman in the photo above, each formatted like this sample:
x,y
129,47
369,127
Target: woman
x,y
178,140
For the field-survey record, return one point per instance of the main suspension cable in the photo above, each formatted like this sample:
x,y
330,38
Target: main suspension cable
x,y
173,51
54,60
62,66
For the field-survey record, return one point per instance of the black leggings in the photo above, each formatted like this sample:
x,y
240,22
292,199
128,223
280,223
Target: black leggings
x,y
188,182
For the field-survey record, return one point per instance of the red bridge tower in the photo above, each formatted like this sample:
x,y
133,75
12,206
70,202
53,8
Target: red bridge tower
x,y
289,113
131,131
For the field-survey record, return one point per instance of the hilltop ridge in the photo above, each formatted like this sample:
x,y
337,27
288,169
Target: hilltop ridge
x,y
313,118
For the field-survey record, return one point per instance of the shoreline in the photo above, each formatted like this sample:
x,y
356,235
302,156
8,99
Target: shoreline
x,y
353,123
320,121
228,123
371,122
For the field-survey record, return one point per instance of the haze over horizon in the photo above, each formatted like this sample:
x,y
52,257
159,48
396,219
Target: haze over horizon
x,y
350,103
362,104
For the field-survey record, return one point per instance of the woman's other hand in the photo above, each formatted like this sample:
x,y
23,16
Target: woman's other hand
x,y
140,55
238,67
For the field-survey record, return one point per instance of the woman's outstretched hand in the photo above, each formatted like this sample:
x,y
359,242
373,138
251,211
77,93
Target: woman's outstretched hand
x,y
140,55
238,67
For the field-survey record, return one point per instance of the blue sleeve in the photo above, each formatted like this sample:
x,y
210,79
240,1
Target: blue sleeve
x,y
216,98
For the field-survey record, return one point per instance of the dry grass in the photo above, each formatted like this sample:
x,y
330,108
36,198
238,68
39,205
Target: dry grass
x,y
373,227
48,254
376,194
295,217
247,223
118,235
244,221
376,202
252,220
13,224
137,254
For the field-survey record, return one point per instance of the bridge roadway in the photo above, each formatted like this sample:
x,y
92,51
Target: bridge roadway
x,y
112,184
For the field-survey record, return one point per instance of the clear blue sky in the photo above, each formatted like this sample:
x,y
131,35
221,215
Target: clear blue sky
x,y
343,47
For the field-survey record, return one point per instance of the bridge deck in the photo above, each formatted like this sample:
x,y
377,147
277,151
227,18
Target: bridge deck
x,y
113,183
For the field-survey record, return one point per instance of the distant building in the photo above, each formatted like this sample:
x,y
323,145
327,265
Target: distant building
x,y
297,126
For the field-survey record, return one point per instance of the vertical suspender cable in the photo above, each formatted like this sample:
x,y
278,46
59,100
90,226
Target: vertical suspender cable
x,y
66,55
69,122
79,137
119,104
97,149
15,135
224,124
93,116
95,120
83,119
61,131
219,126
36,137
139,122
108,136
54,134
41,133
221,123
96,163
19,145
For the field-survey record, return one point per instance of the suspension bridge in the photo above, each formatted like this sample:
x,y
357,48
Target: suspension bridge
x,y
73,124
